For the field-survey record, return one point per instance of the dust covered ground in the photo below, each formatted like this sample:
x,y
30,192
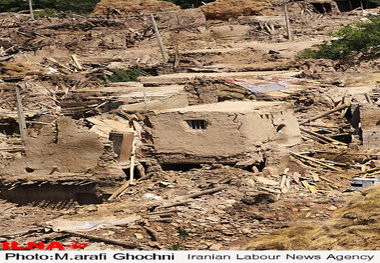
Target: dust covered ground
x,y
61,184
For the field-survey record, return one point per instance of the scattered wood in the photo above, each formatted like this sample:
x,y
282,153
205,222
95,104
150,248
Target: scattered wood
x,y
338,108
75,59
325,138
273,191
314,160
369,171
367,97
52,60
119,191
309,136
205,192
209,191
12,150
347,153
309,187
325,179
103,239
21,117
315,177
151,233
164,212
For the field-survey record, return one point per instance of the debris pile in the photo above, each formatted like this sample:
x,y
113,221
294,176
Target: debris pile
x,y
226,9
106,7
354,227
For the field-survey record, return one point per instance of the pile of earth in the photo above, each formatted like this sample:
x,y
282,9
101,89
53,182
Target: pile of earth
x,y
354,227
226,9
105,7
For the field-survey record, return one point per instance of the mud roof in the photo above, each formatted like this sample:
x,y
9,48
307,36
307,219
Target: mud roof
x,y
234,106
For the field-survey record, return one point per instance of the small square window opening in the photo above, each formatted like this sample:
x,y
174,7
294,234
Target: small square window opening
x,y
197,124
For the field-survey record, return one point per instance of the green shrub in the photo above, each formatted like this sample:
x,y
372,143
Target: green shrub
x,y
355,38
125,76
48,12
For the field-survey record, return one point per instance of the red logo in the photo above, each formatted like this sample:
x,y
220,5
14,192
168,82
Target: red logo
x,y
76,245
41,245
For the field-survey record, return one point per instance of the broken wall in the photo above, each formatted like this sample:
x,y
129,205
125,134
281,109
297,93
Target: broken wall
x,y
105,7
221,131
370,124
62,145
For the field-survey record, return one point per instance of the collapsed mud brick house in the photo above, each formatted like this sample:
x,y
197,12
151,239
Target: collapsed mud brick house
x,y
369,128
327,6
226,132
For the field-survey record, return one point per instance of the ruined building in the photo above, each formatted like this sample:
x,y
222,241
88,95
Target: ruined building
x,y
226,132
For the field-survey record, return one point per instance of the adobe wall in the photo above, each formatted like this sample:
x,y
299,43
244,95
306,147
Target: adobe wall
x,y
370,124
228,136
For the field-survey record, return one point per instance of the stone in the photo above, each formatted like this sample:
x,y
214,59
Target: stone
x,y
139,236
216,246
332,208
267,181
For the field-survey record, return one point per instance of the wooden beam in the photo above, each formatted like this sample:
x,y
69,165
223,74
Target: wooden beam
x,y
159,40
21,117
338,108
331,140
314,160
287,22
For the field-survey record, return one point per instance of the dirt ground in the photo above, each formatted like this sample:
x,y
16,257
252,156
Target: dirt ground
x,y
58,186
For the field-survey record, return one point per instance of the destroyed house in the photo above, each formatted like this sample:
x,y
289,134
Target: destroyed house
x,y
226,132
369,124
327,6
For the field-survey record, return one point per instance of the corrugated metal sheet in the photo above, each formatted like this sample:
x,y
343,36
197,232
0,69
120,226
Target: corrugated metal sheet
x,y
262,87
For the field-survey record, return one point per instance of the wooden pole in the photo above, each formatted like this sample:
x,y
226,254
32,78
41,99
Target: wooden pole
x,y
340,107
21,118
164,57
132,166
287,22
31,9
315,161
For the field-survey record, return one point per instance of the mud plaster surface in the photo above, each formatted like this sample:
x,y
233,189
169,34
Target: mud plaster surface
x,y
63,145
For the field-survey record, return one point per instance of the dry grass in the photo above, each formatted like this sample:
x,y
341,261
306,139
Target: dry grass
x,y
18,69
354,227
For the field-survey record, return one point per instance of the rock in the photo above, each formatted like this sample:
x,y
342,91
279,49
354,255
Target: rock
x,y
216,246
139,236
271,171
332,208
267,181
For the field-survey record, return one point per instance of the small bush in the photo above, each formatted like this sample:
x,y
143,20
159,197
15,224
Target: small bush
x,y
125,76
352,39
48,12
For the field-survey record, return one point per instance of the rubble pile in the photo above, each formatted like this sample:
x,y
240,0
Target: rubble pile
x,y
226,9
353,227
106,7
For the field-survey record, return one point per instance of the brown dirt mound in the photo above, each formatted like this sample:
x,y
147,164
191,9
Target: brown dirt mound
x,y
124,6
355,227
226,9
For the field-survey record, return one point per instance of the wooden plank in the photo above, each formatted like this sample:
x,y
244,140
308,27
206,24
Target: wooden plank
x,y
314,160
270,190
331,140
21,117
315,177
126,146
159,40
325,179
75,59
338,108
